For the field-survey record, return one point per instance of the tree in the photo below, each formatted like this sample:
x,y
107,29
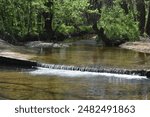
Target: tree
x,y
19,18
40,18
69,15
141,14
118,25
148,22
48,19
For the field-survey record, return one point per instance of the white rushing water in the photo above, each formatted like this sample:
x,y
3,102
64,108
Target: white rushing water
x,y
70,73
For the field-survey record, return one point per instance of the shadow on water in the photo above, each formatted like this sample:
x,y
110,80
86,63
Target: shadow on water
x,y
20,84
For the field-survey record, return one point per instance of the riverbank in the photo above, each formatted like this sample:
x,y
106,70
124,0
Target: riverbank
x,y
79,54
140,46
12,51
9,50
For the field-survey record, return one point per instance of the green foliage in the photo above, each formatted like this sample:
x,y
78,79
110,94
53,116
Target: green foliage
x,y
66,29
86,28
22,17
117,24
19,18
69,13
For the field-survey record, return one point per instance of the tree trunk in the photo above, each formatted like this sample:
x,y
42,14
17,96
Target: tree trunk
x,y
141,15
100,33
30,17
106,41
132,7
124,6
48,19
92,18
148,23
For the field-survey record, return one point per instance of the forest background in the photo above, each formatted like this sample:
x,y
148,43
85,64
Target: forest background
x,y
114,21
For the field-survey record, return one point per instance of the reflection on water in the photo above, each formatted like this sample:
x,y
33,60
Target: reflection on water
x,y
85,55
17,85
24,85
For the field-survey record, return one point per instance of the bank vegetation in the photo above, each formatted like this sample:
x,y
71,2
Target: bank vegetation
x,y
114,21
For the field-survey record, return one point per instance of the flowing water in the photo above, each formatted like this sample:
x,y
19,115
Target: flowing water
x,y
46,83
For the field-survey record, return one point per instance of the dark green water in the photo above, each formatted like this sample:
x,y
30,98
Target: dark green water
x,y
23,85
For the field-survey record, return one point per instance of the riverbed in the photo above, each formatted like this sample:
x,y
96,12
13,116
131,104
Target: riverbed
x,y
59,84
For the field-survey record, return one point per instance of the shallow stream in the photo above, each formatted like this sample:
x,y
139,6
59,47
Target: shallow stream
x,y
62,84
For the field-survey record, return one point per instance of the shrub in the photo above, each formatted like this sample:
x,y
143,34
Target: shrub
x,y
117,24
66,29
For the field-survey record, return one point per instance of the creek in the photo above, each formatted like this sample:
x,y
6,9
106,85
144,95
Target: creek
x,y
46,83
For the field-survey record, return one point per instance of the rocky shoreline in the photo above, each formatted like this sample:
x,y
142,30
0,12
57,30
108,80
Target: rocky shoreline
x,y
139,46
42,44
11,51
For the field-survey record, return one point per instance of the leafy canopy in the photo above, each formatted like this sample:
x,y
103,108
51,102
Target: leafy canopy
x,y
117,24
22,17
68,14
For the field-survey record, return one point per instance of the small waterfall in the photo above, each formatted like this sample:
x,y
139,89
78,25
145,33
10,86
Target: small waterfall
x,y
18,63
97,70
85,74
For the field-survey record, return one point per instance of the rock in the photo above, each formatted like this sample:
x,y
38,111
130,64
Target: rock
x,y
56,45
40,44
10,54
139,46
148,74
11,51
17,63
5,45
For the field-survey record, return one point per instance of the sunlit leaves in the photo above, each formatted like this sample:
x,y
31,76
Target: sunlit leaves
x,y
69,12
117,24
23,17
